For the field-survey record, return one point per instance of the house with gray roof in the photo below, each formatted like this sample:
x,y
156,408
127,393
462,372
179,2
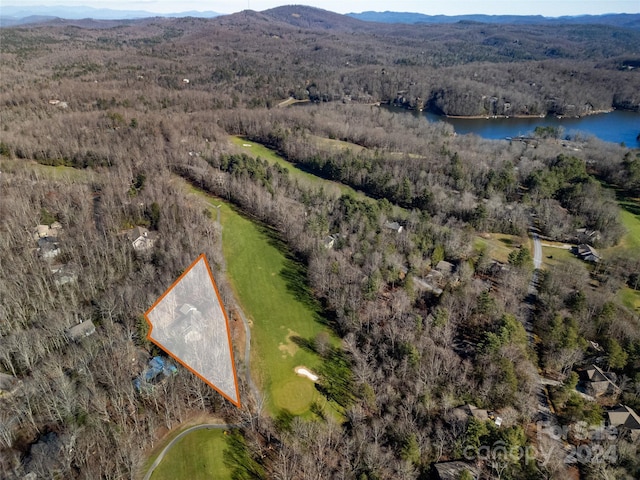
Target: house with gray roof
x,y
8,383
141,239
625,419
81,330
599,383
454,470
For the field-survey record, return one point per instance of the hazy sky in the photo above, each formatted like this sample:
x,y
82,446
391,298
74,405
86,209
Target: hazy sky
x,y
550,8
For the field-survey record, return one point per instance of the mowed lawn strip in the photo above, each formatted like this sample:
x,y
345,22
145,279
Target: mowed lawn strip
x,y
631,241
47,172
270,287
198,455
255,149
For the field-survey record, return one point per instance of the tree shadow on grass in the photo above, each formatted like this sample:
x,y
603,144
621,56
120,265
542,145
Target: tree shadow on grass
x,y
304,343
631,207
294,273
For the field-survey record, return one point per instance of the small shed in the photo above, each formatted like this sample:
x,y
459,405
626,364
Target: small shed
x,y
81,330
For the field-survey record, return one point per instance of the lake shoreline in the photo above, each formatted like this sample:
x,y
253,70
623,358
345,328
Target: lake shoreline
x,y
617,126
541,116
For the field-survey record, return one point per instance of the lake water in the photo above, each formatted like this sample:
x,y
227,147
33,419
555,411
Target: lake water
x,y
617,126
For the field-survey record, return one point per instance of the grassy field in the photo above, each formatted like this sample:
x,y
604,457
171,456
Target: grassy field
x,y
45,172
631,241
499,245
198,455
335,145
630,298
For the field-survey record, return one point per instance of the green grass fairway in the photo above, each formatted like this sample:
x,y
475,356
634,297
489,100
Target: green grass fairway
x,y
305,178
271,288
335,145
631,241
257,150
199,455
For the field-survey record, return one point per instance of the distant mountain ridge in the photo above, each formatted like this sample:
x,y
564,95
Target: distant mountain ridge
x,y
627,20
11,15
304,17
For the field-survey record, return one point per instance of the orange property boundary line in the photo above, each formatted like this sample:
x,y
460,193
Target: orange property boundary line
x,y
226,319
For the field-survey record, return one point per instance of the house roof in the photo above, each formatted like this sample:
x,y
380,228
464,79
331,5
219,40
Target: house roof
x,y
52,230
7,382
595,374
586,250
445,267
137,232
453,470
393,226
623,416
328,241
81,330
479,413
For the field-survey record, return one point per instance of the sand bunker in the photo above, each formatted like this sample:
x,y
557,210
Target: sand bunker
x,y
304,372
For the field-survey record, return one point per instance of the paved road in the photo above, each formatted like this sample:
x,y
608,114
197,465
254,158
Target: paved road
x,y
537,251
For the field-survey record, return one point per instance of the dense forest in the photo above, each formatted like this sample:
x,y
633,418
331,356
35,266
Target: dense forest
x,y
130,110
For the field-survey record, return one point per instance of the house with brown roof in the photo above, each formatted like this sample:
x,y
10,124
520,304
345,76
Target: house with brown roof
x,y
598,383
44,231
625,419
